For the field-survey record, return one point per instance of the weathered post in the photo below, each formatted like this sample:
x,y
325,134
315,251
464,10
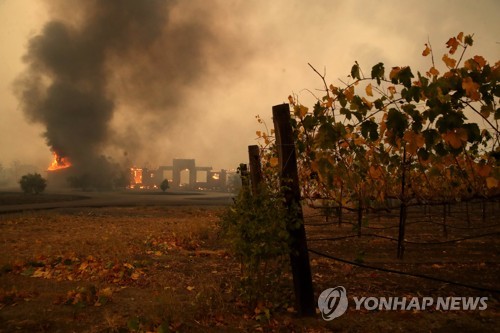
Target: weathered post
x,y
255,168
243,169
299,256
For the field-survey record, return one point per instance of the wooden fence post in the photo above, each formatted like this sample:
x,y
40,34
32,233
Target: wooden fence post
x,y
244,175
299,256
255,168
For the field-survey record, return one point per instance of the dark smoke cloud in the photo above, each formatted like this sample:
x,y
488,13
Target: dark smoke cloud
x,y
96,55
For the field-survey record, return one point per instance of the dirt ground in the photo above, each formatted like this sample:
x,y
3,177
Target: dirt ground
x,y
162,269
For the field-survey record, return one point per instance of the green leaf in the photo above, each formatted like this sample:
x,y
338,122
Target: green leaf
x,y
473,132
396,122
355,71
423,80
309,122
378,72
369,129
417,118
423,154
318,109
342,99
379,104
327,136
416,91
346,112
450,121
441,149
468,40
431,137
405,75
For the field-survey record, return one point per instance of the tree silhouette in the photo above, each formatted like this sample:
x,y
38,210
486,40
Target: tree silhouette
x,y
33,183
164,185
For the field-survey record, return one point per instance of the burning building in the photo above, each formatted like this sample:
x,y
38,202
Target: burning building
x,y
147,178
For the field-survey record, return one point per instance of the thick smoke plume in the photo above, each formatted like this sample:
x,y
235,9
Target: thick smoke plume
x,y
94,57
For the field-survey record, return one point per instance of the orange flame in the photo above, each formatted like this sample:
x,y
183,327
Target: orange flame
x,y
59,162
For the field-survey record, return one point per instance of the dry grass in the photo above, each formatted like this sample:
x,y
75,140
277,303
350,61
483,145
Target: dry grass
x,y
151,268
175,250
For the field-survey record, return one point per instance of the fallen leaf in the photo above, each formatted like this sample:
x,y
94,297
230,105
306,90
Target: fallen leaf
x,y
491,182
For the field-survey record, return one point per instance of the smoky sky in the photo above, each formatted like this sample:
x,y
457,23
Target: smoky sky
x,y
95,55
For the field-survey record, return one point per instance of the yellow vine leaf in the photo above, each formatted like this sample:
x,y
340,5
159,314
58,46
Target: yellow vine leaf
x,y
300,111
432,72
456,139
329,102
367,102
383,125
460,37
392,91
471,89
369,90
259,133
394,72
480,61
475,64
452,44
427,51
349,93
415,141
274,161
450,62
334,89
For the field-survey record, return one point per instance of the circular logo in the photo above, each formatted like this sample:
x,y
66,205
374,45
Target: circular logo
x,y
333,302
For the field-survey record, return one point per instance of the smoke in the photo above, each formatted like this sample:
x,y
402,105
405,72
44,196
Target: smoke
x,y
112,75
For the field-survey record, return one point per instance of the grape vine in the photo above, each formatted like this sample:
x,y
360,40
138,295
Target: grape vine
x,y
400,135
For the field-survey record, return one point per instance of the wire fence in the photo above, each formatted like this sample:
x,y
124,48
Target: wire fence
x,y
449,234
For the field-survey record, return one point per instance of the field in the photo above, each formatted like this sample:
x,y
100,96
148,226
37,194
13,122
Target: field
x,y
164,268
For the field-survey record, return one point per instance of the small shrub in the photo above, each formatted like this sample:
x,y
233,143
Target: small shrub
x,y
33,183
255,229
164,185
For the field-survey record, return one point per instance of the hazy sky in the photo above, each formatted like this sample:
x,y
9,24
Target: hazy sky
x,y
255,57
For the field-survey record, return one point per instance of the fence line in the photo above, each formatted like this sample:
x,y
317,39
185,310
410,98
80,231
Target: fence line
x,y
416,275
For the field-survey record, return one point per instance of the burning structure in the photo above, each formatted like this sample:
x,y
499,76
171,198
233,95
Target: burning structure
x,y
147,178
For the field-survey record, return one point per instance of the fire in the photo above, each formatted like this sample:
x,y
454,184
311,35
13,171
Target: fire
x,y
59,162
136,176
